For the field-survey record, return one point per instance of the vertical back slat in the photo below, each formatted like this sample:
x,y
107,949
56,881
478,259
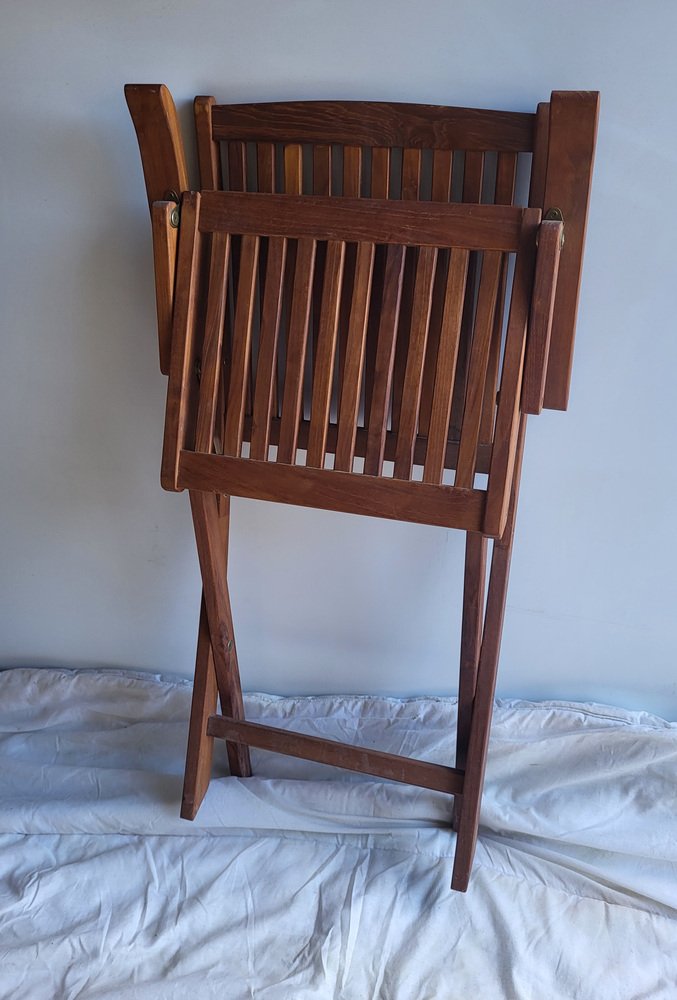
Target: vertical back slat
x,y
297,337
325,354
411,174
411,394
445,368
208,151
473,175
479,356
352,171
265,167
354,360
237,166
241,348
441,178
322,170
264,393
385,356
293,169
213,343
506,172
380,172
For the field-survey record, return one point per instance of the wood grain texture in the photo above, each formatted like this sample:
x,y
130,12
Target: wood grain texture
x,y
241,356
379,397
297,339
266,368
208,151
326,489
212,346
157,130
212,559
181,369
325,355
165,242
200,749
349,402
540,320
390,766
445,367
369,123
411,223
572,136
413,379
477,368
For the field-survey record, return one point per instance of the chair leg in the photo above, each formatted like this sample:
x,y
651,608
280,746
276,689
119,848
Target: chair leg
x,y
200,749
483,703
209,530
471,639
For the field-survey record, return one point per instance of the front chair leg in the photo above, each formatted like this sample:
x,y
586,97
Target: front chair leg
x,y
200,749
212,557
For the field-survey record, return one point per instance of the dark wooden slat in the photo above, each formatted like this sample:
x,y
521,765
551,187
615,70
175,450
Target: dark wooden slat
x,y
237,165
411,174
380,172
208,151
539,163
267,360
265,167
540,320
322,169
354,359
410,223
367,123
504,450
181,368
325,355
241,357
165,238
363,759
479,356
297,339
293,169
411,394
441,179
213,342
433,343
352,171
384,360
571,147
483,451
445,367
325,489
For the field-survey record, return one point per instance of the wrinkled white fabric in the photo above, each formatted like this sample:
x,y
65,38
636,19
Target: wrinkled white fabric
x,y
306,881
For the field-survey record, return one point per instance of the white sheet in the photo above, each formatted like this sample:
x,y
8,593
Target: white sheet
x,y
307,881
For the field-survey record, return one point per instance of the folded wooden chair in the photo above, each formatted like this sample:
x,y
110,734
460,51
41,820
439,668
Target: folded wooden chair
x,y
346,355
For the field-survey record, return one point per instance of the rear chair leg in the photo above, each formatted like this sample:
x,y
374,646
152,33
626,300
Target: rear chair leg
x,y
471,639
468,815
211,527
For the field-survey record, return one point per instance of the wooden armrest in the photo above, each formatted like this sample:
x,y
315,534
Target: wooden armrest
x,y
164,221
550,239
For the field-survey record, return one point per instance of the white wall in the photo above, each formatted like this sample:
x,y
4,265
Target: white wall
x,y
98,564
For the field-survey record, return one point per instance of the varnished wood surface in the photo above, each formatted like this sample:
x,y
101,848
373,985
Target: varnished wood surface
x,y
325,489
480,227
373,123
325,751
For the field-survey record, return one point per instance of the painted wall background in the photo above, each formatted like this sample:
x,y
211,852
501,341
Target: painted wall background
x,y
98,564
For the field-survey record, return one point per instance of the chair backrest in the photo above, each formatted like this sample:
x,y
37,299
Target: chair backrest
x,y
414,151
348,442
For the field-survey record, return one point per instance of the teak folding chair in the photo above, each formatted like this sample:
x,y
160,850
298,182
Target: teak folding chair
x,y
374,353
